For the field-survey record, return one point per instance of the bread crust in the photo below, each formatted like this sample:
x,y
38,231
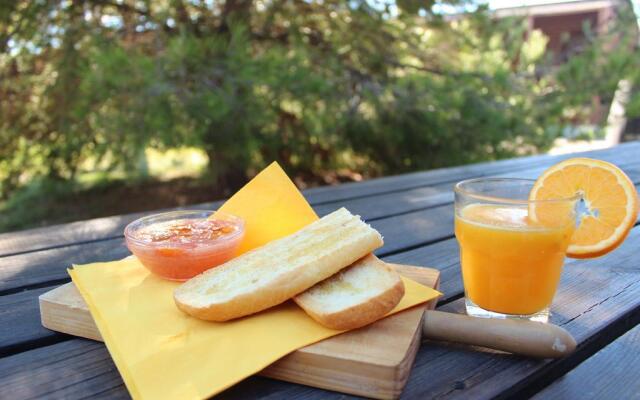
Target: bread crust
x,y
192,296
281,289
357,315
361,314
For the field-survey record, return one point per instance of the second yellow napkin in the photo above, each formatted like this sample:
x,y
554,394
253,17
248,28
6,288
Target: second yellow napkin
x,y
162,353
271,206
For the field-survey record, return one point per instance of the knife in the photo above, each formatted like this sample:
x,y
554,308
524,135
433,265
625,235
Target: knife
x,y
528,338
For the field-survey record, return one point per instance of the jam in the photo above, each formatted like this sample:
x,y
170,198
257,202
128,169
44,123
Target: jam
x,y
190,232
183,244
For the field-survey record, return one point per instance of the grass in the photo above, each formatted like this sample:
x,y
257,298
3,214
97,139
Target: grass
x,y
165,179
169,179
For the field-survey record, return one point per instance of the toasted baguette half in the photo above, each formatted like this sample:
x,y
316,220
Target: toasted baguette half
x,y
356,296
273,273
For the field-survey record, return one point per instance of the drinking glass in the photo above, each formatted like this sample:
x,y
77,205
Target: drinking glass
x,y
511,248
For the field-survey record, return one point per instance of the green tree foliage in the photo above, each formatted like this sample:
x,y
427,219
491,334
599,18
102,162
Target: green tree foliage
x,y
377,87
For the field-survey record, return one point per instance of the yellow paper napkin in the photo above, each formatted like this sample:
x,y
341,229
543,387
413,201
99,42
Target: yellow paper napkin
x,y
162,353
271,206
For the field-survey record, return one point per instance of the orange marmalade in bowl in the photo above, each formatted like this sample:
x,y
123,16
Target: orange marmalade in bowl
x,y
179,245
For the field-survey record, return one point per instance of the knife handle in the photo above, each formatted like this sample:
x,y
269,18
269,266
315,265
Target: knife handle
x,y
529,338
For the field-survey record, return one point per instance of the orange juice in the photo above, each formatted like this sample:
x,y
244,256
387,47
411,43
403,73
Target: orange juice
x,y
509,264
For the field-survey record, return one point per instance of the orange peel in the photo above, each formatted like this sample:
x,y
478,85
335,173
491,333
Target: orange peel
x,y
609,197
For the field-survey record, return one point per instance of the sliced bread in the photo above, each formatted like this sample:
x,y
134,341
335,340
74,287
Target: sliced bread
x,y
356,296
273,273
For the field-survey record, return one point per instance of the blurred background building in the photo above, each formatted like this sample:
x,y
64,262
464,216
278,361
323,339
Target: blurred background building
x,y
568,26
565,23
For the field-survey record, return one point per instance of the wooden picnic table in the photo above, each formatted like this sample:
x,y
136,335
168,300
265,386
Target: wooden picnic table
x,y
598,300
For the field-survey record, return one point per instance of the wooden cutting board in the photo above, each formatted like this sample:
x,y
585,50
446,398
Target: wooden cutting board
x,y
374,361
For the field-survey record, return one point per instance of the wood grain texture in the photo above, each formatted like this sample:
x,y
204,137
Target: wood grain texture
x,y
40,267
54,262
619,154
373,361
70,370
598,313
27,320
414,200
326,198
20,322
76,232
444,255
63,310
83,369
44,266
611,373
596,298
592,298
404,231
401,202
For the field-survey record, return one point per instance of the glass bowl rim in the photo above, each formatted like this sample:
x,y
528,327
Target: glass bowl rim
x,y
129,229
458,188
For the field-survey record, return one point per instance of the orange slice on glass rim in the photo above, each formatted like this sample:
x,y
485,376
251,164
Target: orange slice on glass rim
x,y
608,209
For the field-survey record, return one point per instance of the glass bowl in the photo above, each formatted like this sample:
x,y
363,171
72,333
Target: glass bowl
x,y
179,245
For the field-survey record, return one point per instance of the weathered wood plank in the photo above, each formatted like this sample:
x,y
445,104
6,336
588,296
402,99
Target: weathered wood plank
x,y
445,257
43,266
38,268
21,325
424,226
396,203
327,198
345,191
377,358
611,373
81,368
420,255
77,232
390,204
402,232
72,369
19,311
596,297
